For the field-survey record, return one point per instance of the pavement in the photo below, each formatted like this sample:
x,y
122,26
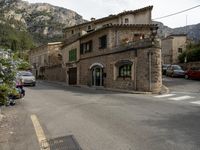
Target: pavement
x,y
107,120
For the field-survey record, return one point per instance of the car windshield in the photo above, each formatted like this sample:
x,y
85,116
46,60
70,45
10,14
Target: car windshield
x,y
26,74
165,65
176,67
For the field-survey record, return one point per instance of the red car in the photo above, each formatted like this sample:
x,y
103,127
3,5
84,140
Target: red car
x,y
193,73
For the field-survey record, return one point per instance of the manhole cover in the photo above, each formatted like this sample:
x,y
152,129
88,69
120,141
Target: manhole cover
x,y
63,143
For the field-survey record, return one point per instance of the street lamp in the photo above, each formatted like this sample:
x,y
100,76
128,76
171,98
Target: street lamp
x,y
153,29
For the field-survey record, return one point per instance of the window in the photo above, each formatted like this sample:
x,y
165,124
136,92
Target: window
x,y
72,55
72,31
86,47
126,20
89,27
103,42
180,50
125,70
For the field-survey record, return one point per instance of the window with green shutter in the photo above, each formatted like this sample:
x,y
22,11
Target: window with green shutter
x,y
72,55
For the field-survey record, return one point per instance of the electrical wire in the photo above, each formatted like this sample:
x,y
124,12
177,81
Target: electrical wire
x,y
176,13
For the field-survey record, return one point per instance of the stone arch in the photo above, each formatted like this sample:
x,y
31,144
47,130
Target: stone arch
x,y
96,64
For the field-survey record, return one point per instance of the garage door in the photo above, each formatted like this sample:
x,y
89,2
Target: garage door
x,y
72,76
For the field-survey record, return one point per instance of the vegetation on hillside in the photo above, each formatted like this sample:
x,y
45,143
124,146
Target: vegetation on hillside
x,y
13,39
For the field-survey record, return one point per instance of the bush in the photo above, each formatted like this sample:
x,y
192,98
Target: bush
x,y
192,54
181,57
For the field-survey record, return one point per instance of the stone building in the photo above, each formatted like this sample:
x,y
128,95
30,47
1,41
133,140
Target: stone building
x,y
117,51
172,47
45,56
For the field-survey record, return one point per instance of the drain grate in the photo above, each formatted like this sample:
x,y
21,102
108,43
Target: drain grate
x,y
63,143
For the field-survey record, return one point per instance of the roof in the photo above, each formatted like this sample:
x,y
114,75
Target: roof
x,y
113,16
132,26
48,44
171,36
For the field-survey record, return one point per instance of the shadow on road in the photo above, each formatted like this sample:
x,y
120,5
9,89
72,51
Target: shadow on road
x,y
42,85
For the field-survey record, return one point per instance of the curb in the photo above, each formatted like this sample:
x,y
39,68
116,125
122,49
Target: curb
x,y
124,91
166,89
96,88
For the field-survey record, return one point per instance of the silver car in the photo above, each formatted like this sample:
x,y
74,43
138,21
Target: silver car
x,y
27,78
175,71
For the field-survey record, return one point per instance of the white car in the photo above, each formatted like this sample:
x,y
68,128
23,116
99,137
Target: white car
x,y
26,78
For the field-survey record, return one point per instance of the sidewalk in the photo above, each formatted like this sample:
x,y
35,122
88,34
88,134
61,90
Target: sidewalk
x,y
163,90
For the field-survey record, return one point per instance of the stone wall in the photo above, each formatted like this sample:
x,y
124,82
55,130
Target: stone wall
x,y
146,70
55,73
108,63
188,65
149,77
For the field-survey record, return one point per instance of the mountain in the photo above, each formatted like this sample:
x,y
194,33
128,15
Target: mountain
x,y
43,21
192,31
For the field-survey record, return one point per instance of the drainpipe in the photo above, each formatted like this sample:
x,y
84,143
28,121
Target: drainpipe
x,y
150,78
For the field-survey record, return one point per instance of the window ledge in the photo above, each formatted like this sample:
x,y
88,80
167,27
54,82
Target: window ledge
x,y
124,78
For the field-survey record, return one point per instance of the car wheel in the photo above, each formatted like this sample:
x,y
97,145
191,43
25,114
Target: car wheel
x,y
186,76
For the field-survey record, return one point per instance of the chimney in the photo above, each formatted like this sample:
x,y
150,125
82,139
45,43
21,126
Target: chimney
x,y
92,19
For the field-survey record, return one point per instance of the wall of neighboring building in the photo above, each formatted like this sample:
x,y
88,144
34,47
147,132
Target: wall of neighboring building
x,y
171,48
53,52
188,65
55,73
65,51
66,63
45,55
179,42
167,50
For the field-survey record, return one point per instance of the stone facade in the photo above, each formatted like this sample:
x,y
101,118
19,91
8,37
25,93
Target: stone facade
x,y
140,16
172,47
144,58
114,52
66,62
44,56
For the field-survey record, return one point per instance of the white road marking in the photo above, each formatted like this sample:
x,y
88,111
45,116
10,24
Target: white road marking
x,y
165,95
180,98
196,102
40,133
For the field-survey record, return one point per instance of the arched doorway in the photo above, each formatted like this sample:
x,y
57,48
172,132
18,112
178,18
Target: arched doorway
x,y
97,74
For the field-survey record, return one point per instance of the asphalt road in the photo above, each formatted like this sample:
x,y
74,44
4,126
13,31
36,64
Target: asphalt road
x,y
102,120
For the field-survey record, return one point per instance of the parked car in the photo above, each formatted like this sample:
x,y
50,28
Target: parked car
x,y
27,78
193,73
164,68
175,71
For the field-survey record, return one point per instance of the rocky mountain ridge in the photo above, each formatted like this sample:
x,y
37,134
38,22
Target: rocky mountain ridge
x,y
42,20
192,31
45,22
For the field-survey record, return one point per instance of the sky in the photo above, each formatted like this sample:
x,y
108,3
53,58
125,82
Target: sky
x,y
103,8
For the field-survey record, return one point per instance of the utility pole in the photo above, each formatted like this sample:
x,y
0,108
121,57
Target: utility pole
x,y
186,25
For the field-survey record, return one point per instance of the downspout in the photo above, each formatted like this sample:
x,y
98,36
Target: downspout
x,y
150,78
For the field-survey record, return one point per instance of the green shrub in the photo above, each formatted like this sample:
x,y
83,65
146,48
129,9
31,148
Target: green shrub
x,y
192,54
